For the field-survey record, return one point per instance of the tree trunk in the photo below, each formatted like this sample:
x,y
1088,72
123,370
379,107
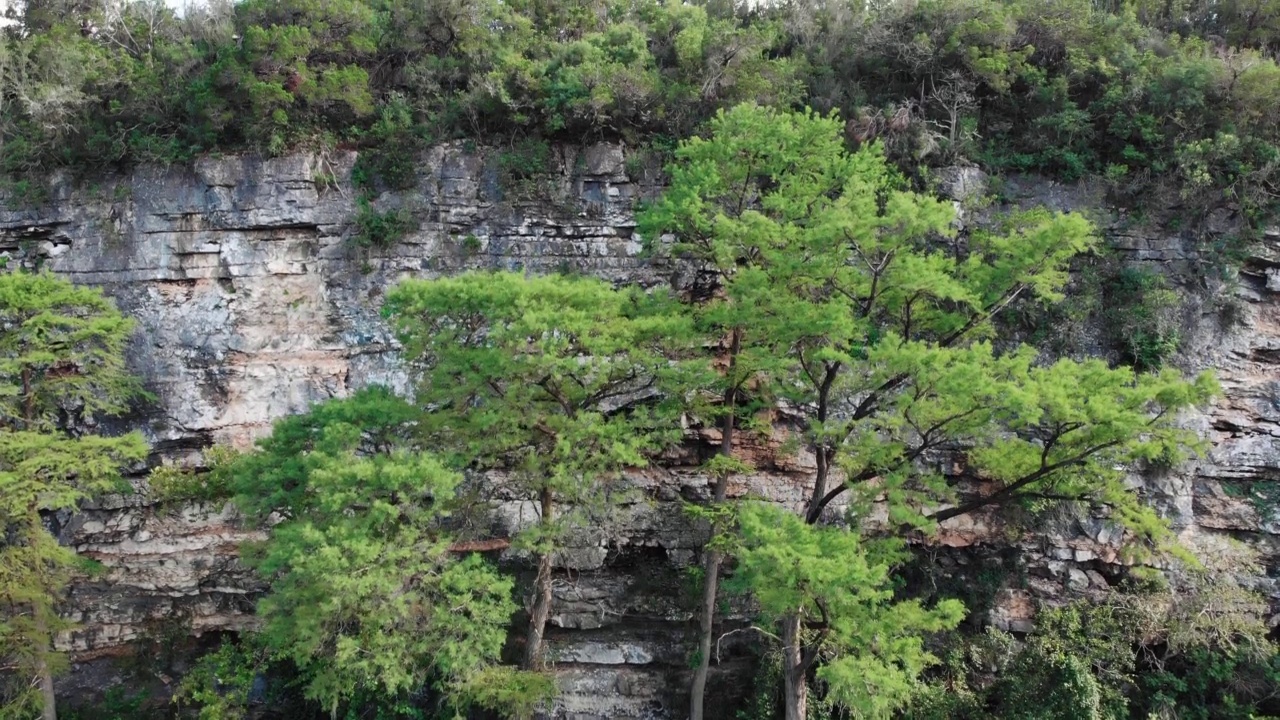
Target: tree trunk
x,y
48,700
795,689
713,559
710,584
824,453
541,607
28,399
813,510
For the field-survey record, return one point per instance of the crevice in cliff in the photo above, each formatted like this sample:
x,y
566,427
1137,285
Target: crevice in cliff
x,y
1270,355
307,228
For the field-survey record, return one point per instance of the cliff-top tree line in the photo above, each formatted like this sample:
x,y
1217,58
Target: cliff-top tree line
x,y
1176,97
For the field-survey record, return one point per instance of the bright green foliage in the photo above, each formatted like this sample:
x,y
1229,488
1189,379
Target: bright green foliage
x,y
1072,425
220,683
516,693
376,600
850,292
836,581
530,374
277,476
367,599
853,301
61,367
553,379
62,348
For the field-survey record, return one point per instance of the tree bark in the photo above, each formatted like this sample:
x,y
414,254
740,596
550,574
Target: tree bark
x,y
712,558
710,584
795,689
541,607
48,700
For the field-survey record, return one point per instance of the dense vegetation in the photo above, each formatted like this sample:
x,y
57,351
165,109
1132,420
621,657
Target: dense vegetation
x,y
803,138
1172,97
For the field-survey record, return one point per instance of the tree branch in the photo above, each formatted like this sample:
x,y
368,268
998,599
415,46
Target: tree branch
x,y
1009,492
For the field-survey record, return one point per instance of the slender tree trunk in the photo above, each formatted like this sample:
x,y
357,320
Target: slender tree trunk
x,y
541,608
710,583
823,452
48,700
712,558
795,689
28,399
813,510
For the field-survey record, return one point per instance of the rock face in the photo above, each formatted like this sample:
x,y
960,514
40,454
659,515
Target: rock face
x,y
253,303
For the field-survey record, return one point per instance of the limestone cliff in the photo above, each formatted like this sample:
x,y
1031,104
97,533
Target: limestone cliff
x,y
253,303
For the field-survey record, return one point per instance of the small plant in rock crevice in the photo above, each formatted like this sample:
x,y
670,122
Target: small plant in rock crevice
x,y
1140,313
379,228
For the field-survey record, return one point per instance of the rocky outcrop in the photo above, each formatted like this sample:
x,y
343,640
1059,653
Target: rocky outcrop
x,y
253,302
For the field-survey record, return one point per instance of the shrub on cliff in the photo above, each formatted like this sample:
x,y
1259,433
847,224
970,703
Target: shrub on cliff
x,y
1198,651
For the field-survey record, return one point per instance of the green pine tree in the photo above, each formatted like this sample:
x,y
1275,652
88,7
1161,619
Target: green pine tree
x,y
61,369
873,643
553,380
850,302
369,600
